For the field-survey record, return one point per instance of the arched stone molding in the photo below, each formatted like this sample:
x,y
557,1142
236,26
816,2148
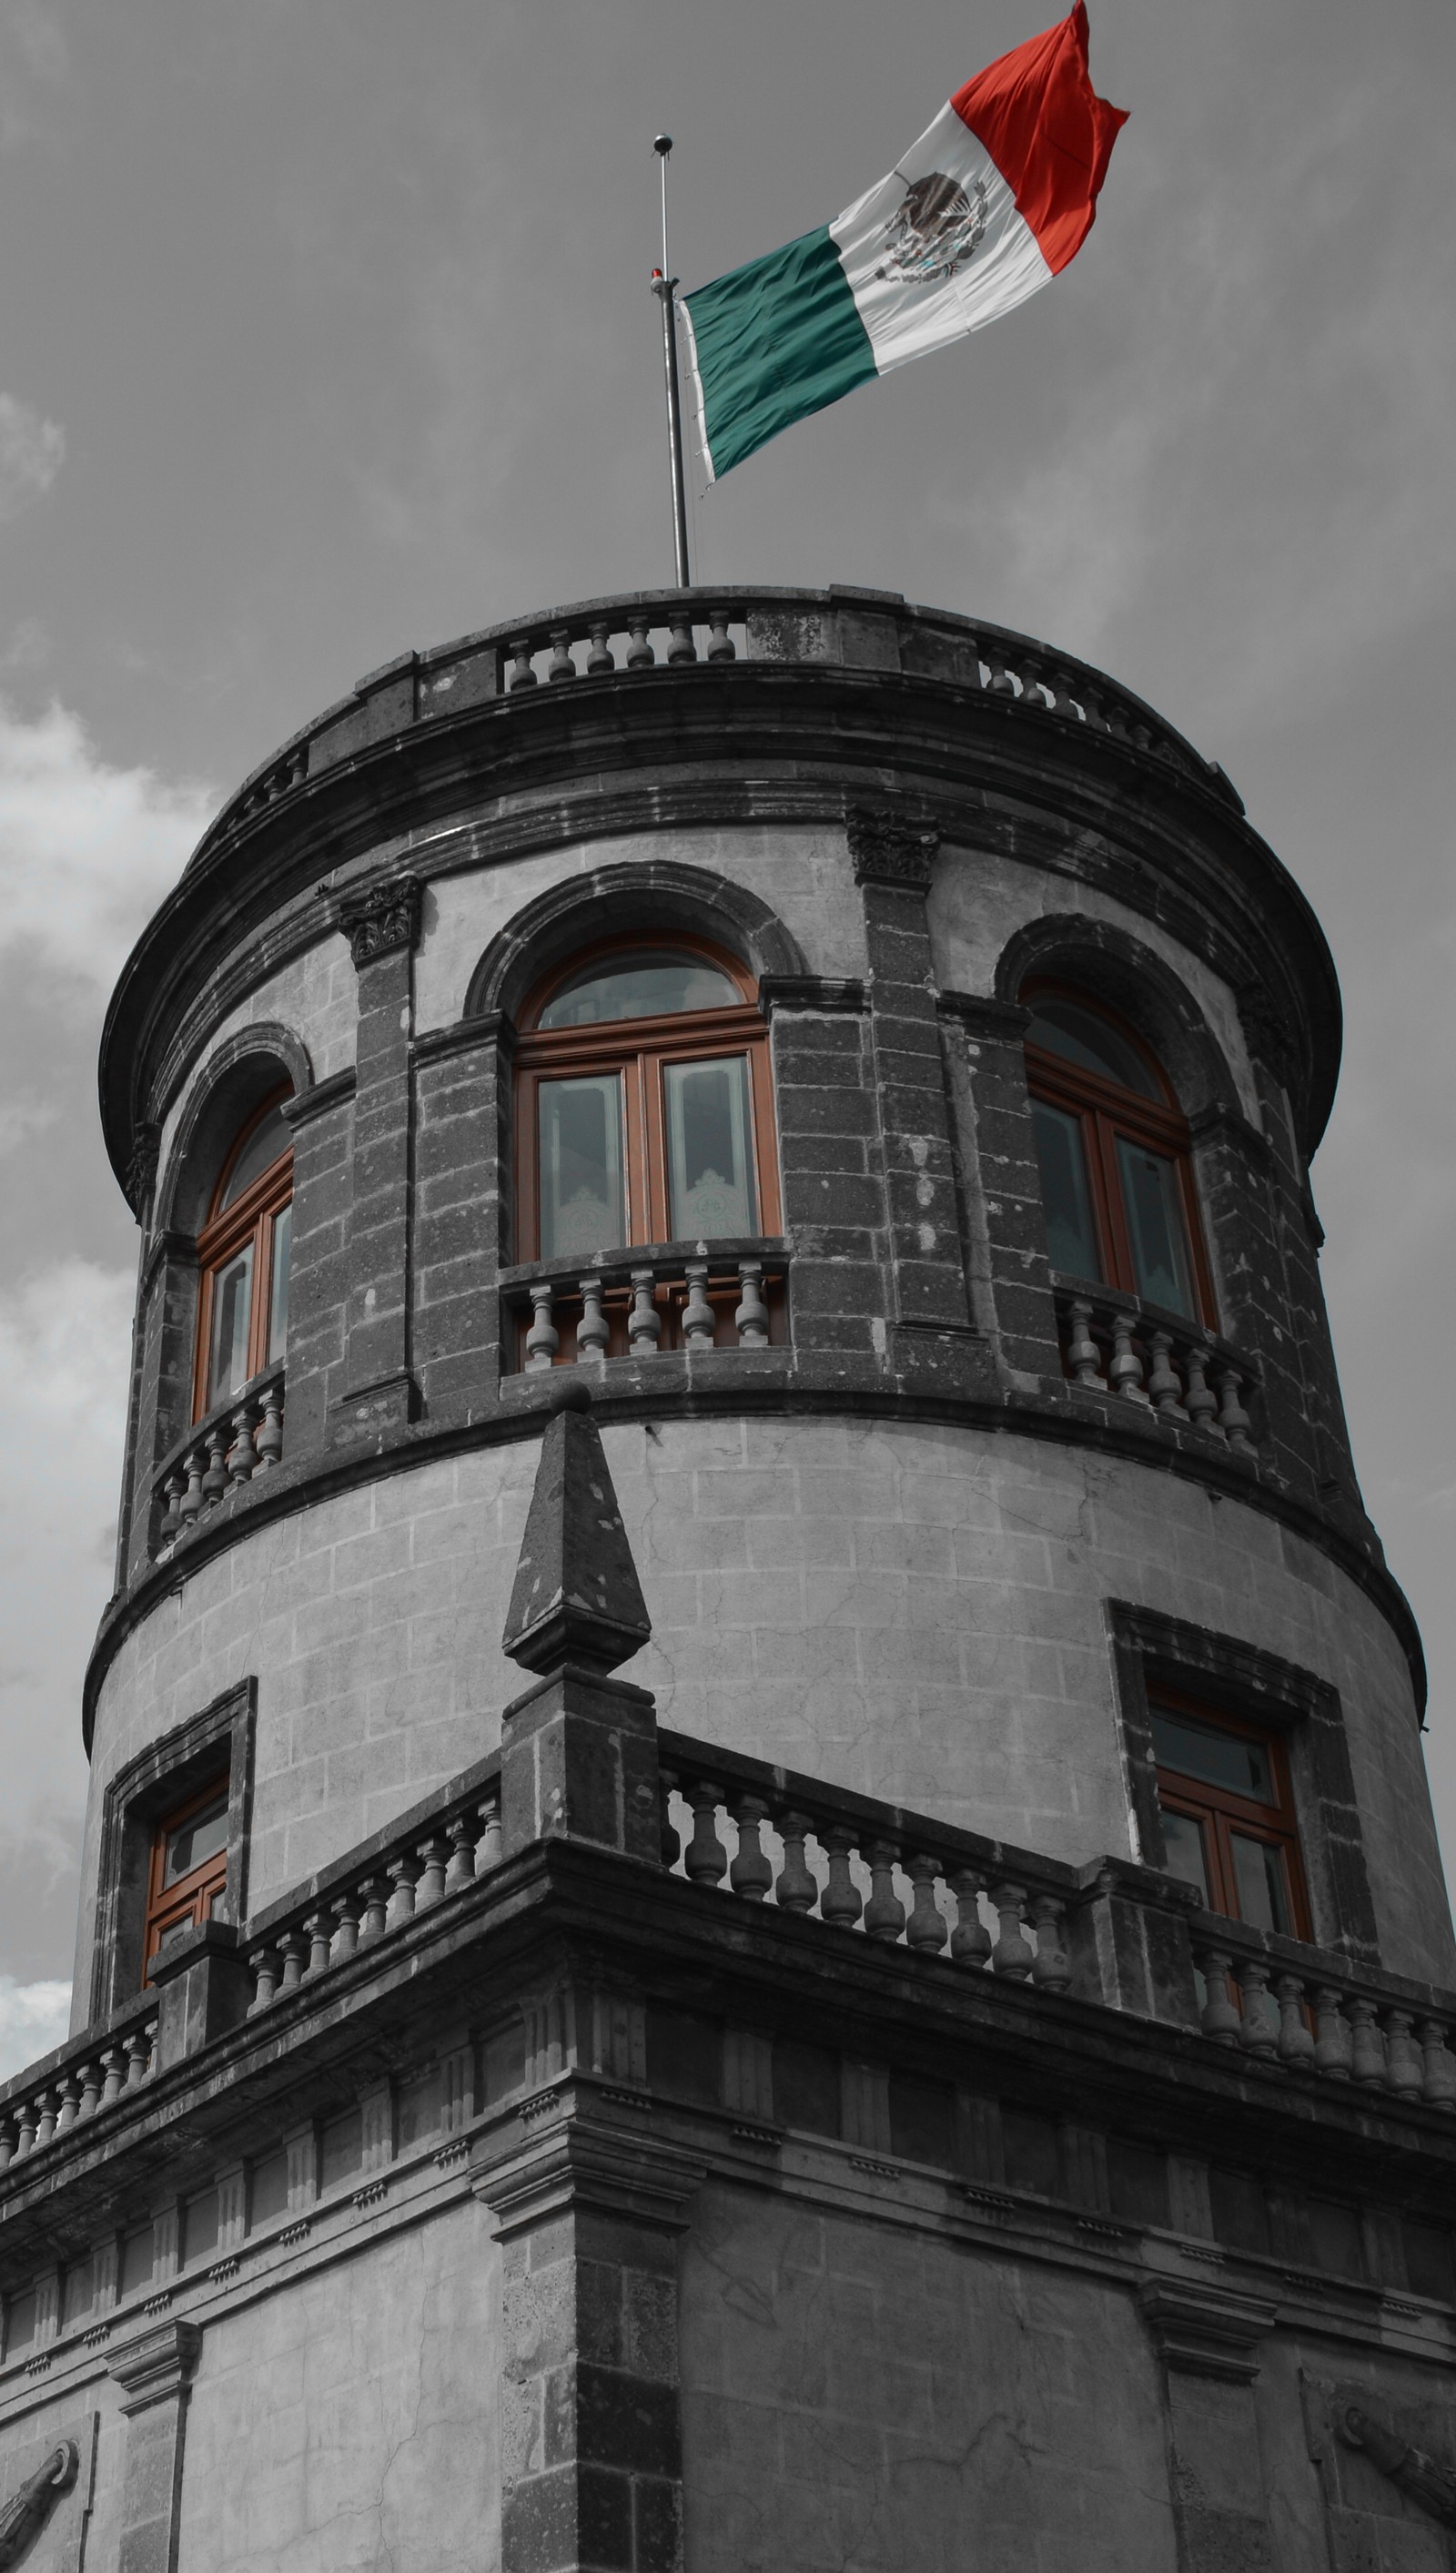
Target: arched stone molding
x,y
1114,965
234,1077
613,901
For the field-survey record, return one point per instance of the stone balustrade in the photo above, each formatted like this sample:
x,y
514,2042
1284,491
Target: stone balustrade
x,y
376,1889
1111,1343
639,1303
242,1437
1283,2003
78,2083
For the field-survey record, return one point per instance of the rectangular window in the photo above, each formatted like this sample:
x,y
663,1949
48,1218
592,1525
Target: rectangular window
x,y
583,1205
232,1309
1072,1234
1227,1815
278,1306
709,1150
189,1869
1154,1227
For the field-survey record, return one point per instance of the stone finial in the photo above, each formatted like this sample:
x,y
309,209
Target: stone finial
x,y
888,848
576,1595
381,917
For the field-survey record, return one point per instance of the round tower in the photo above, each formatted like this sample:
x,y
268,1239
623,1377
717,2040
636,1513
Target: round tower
x,y
880,1050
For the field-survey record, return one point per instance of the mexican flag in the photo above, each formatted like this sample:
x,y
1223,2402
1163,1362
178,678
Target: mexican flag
x,y
996,197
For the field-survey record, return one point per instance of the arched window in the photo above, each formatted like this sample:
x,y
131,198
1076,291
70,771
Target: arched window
x,y
243,1255
1112,1144
644,1103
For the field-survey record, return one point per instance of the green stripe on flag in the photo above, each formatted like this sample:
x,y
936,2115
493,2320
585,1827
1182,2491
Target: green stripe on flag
x,y
775,341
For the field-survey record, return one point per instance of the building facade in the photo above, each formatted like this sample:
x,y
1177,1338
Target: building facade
x,y
759,1878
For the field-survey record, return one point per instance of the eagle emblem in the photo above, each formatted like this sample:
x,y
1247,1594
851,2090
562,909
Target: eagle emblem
x,y
936,230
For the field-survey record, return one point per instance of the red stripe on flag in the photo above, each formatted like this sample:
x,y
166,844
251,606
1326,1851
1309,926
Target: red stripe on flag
x,y
1047,132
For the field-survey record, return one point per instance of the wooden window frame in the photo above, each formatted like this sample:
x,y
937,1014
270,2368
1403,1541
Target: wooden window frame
x,y
226,1232
639,1051
190,1897
1105,1110
1220,1810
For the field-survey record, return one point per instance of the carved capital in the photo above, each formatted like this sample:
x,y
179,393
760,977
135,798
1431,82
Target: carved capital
x,y
142,1168
381,917
1268,1034
1204,2331
886,848
576,2162
156,2365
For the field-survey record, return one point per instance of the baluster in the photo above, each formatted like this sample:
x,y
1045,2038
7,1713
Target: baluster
x,y
24,2130
1030,678
91,2080
192,1498
1199,1401
7,2143
599,659
543,1339
1402,2055
242,1456
1234,1420
669,1838
1297,2036
271,1429
884,1913
345,1910
433,1855
1082,1348
1012,1954
926,1927
561,664
1438,2066
522,675
215,1480
591,1330
374,1920
1163,1388
404,1874
45,2118
752,1314
644,1323
1124,1375
970,1940
839,1903
489,1853
1331,2037
171,1492
114,2071
293,1946
460,1835
1219,2018
680,644
721,646
640,655
751,1873
707,1860
1368,2047
1259,2031
1062,685
267,1966
139,2056
319,1934
798,1887
1052,1971
697,1317
1002,682
69,2089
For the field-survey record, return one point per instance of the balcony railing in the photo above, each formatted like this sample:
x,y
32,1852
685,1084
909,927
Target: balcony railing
x,y
639,1303
242,1437
78,2083
1111,1343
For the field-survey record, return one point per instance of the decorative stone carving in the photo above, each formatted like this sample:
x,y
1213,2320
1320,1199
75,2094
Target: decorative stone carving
x,y
381,917
142,1168
1203,2331
1269,1034
156,2365
25,2514
1409,2469
886,848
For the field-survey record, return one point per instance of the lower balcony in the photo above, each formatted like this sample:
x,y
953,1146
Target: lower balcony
x,y
238,1439
643,1303
1174,1369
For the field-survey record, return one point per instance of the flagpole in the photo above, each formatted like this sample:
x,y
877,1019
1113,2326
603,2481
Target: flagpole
x,y
664,286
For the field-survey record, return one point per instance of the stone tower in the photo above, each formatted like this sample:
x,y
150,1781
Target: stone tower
x,y
759,1882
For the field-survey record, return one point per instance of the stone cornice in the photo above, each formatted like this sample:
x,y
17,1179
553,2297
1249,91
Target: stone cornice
x,y
579,2161
1203,2331
980,1015
324,1096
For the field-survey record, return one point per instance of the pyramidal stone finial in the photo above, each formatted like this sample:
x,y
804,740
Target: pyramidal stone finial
x,y
576,1595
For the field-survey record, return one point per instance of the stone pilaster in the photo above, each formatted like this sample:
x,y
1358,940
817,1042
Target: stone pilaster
x,y
1208,2341
382,924
153,2371
986,1049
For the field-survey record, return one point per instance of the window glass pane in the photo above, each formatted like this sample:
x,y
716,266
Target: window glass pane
x,y
1080,1037
232,1305
277,1311
1183,1839
581,1166
646,986
1263,1886
264,1146
1205,1751
1156,1227
709,1150
201,1837
1071,1239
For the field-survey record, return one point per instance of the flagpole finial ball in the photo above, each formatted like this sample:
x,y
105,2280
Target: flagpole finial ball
x,y
662,142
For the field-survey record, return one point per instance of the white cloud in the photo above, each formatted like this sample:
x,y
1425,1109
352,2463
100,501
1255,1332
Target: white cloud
x,y
86,850
33,2019
22,1118
31,454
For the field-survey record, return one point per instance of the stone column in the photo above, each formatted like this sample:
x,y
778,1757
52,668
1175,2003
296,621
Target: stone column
x,y
381,925
461,1345
153,2371
319,1119
1208,2341
986,1045
892,862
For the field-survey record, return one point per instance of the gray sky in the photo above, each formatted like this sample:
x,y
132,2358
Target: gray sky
x,y
325,331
